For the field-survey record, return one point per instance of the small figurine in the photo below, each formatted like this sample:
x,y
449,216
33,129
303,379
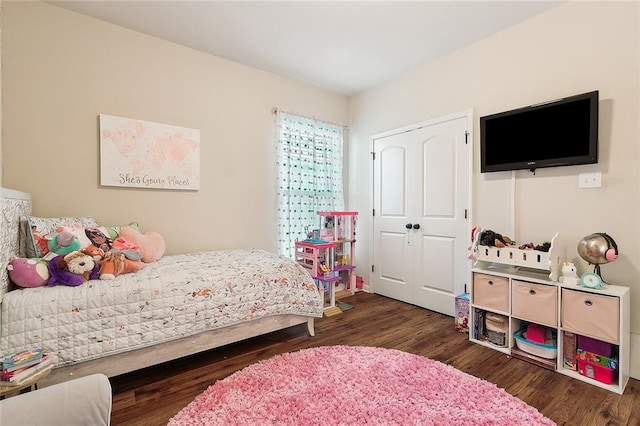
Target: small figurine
x,y
569,274
323,266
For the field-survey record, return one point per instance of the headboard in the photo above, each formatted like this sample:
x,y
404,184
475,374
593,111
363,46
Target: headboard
x,y
14,205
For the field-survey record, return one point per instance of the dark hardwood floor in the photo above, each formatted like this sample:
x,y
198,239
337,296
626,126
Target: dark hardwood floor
x,y
152,396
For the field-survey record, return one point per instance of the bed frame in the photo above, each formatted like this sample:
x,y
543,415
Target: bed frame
x,y
126,362
114,365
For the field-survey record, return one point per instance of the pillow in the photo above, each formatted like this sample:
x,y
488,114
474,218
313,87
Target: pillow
x,y
38,228
151,243
114,231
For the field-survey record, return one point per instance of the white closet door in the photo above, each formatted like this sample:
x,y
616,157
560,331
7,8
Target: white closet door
x,y
421,201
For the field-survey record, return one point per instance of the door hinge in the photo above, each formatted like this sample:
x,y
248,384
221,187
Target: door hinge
x,y
373,155
374,212
373,268
465,213
466,137
465,287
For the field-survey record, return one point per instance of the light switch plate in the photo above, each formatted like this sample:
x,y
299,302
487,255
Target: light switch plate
x,y
590,180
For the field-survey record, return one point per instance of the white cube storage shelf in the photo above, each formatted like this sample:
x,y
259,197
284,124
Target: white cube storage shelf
x,y
528,295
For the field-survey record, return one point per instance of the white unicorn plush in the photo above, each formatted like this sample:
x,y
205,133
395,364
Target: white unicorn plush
x,y
569,274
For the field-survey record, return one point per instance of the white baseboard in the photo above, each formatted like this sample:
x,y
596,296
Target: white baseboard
x,y
634,362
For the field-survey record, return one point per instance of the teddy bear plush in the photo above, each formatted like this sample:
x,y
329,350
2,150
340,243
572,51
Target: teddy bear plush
x,y
72,269
116,263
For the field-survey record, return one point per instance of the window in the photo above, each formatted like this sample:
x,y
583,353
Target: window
x,y
309,176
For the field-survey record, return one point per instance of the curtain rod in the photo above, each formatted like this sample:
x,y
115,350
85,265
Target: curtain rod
x,y
276,110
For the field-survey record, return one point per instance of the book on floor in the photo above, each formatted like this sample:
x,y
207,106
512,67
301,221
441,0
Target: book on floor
x,y
17,377
17,359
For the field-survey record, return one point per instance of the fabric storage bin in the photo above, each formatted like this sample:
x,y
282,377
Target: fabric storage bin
x,y
491,292
592,315
534,302
496,328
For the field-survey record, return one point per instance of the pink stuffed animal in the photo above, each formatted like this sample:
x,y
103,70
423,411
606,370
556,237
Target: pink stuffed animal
x,y
28,272
151,244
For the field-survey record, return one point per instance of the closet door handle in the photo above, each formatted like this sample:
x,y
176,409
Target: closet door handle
x,y
416,226
408,226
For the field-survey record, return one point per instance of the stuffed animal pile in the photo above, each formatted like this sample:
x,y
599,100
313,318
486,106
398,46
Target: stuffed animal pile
x,y
494,239
114,257
76,258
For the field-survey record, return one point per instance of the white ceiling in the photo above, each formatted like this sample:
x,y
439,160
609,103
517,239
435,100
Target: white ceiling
x,y
342,46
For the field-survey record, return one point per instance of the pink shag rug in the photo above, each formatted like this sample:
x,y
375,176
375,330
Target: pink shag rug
x,y
352,385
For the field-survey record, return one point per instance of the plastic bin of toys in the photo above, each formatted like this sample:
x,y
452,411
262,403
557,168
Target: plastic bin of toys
x,y
547,350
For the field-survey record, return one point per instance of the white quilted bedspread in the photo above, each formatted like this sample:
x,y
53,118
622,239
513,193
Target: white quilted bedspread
x,y
177,296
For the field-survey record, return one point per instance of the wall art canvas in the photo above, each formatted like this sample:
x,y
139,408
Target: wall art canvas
x,y
143,154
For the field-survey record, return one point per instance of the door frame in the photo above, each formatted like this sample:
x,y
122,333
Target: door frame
x,y
468,114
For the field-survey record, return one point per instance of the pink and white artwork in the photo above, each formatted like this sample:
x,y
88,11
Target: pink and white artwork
x,y
143,154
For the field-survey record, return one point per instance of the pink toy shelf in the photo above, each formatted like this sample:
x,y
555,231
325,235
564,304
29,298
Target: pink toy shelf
x,y
318,258
339,228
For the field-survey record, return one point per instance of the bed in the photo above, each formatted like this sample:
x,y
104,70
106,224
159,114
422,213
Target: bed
x,y
176,306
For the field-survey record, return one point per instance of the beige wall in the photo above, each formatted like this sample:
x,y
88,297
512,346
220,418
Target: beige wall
x,y
574,48
61,70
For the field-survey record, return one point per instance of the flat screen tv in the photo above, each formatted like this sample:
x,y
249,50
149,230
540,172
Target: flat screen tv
x,y
561,132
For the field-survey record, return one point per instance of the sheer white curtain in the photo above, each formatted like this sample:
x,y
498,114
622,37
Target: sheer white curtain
x,y
309,175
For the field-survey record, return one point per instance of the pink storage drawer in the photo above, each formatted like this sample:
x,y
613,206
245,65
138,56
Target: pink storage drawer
x,y
491,292
592,315
534,302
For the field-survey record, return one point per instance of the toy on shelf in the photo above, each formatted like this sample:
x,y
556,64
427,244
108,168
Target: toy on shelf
x,y
323,267
598,249
527,255
569,274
